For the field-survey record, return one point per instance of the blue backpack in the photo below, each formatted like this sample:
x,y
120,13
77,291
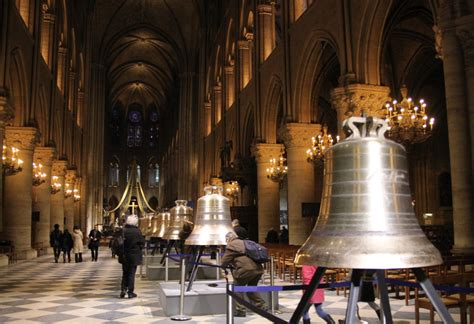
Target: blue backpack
x,y
256,252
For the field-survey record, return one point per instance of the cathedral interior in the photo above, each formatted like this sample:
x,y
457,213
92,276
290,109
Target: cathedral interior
x,y
98,96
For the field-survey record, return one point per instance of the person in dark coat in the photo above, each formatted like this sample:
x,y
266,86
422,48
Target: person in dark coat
x,y
272,236
67,245
56,241
94,241
245,271
284,235
132,257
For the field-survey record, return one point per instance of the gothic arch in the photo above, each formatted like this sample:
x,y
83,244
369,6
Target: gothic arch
x,y
18,87
271,109
42,115
248,134
320,45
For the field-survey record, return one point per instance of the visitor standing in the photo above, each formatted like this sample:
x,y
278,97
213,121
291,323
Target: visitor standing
x,y
78,246
55,240
94,241
272,236
68,243
307,273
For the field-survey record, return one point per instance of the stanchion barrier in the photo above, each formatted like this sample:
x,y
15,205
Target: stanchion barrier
x,y
230,306
272,282
218,261
181,316
166,269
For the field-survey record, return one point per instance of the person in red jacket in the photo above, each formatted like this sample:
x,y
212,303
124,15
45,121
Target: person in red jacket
x,y
307,273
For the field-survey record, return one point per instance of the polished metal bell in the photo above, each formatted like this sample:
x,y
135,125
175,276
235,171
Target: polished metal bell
x,y
213,219
366,220
160,223
180,214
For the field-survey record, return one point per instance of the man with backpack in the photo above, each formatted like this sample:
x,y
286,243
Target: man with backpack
x,y
245,271
56,241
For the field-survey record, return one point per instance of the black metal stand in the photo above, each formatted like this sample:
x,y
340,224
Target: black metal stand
x,y
195,259
354,296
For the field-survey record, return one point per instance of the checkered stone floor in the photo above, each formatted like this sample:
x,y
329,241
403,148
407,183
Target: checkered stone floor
x,y
41,291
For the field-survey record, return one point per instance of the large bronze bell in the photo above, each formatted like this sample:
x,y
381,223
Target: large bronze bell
x,y
160,223
366,220
180,214
213,219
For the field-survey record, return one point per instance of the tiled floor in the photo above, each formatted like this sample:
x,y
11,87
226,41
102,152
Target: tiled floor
x,y
40,291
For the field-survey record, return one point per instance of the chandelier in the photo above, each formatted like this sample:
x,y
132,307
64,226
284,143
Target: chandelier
x,y
39,177
76,195
11,163
321,144
278,168
55,185
68,190
407,122
232,189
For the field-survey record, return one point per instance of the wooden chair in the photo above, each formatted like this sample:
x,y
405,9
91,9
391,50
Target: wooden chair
x,y
448,300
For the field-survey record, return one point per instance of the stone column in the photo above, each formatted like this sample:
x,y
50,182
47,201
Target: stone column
x,y
229,86
80,108
42,196
47,31
217,103
207,118
69,181
245,63
6,114
355,99
266,36
17,192
57,199
301,187
455,74
77,205
62,52
299,8
268,191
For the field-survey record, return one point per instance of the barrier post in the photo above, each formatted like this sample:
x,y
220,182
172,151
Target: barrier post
x,y
181,316
272,283
230,309
218,262
167,268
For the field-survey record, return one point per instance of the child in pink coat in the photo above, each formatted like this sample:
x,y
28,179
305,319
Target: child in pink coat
x,y
307,273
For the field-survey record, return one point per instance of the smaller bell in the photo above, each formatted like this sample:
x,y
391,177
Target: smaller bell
x,y
180,214
213,219
160,223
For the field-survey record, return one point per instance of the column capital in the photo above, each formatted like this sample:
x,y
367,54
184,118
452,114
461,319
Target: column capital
x,y
243,44
229,69
71,175
298,134
45,155
265,9
207,104
351,100
59,168
263,152
23,138
218,87
6,110
49,18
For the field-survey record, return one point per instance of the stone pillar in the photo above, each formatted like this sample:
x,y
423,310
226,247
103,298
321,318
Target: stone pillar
x,y
62,52
57,199
245,63
355,99
301,187
6,114
217,103
80,108
455,74
17,192
266,35
47,31
229,86
42,197
299,8
207,118
268,191
77,206
71,90
69,181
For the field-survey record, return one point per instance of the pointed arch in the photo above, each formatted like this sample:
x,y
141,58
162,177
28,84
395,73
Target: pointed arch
x,y
271,110
19,87
42,115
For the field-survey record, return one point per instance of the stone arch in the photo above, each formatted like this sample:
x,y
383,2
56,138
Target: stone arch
x,y
230,40
248,134
18,82
42,115
320,45
271,110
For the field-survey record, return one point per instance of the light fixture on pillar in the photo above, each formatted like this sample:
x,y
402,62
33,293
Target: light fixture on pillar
x,y
232,190
11,163
55,185
278,168
68,190
39,177
408,123
76,191
321,144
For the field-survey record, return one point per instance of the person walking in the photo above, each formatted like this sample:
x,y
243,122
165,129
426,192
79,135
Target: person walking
x,y
133,243
307,273
56,240
68,243
245,271
94,241
78,246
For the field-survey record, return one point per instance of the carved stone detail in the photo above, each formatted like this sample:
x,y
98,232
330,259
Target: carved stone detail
x,y
298,134
264,9
466,36
71,175
45,155
357,98
264,152
6,111
23,138
59,168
